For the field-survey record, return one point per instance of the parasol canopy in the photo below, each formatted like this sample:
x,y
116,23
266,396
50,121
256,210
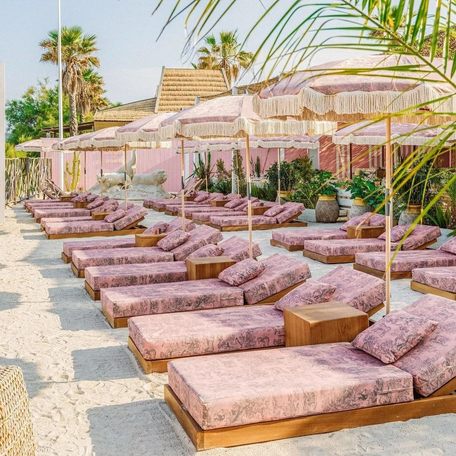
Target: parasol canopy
x,y
100,139
37,145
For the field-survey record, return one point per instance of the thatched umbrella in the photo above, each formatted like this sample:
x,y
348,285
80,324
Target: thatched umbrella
x,y
233,117
364,88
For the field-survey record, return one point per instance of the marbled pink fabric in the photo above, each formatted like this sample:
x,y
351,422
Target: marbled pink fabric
x,y
94,226
377,220
432,363
133,215
200,236
234,203
206,216
135,274
176,224
120,242
394,335
298,237
441,278
50,207
342,247
202,196
421,235
173,240
284,383
45,220
407,260
116,215
281,272
179,296
107,206
310,292
237,248
208,250
274,210
358,289
61,213
449,246
205,332
91,197
291,211
96,203
362,219
397,233
106,257
242,272
231,220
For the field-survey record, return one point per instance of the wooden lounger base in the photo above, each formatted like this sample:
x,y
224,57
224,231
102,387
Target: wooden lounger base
x,y
94,294
422,288
65,258
289,247
395,275
125,232
329,259
440,403
79,273
265,226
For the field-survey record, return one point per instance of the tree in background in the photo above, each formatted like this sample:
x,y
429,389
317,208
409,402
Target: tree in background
x,y
78,57
226,55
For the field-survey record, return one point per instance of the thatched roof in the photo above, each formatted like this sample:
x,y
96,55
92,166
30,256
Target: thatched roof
x,y
179,87
248,89
127,112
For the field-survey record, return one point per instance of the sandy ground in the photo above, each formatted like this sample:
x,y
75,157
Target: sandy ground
x,y
88,397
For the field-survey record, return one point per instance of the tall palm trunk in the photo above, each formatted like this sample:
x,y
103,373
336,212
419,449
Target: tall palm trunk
x,y
73,114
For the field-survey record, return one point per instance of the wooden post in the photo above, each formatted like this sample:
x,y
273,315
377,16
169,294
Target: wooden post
x,y
125,176
85,170
182,164
205,166
278,174
2,143
388,214
101,162
249,190
350,159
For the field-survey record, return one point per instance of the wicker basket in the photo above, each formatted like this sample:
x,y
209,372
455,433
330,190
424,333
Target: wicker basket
x,y
16,432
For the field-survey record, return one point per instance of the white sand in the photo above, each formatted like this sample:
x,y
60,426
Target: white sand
x,y
88,397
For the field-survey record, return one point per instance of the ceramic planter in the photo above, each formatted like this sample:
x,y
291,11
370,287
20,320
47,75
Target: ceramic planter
x,y
327,209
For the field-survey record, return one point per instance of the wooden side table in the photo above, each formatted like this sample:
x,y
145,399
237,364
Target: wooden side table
x,y
148,240
207,267
323,323
364,231
260,210
218,203
100,215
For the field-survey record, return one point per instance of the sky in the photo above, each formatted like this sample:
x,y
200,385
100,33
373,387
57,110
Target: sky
x,y
131,57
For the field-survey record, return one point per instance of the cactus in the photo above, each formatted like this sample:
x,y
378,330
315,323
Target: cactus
x,y
72,176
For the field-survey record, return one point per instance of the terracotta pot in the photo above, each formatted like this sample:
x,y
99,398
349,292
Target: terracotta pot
x,y
283,194
327,209
410,214
358,207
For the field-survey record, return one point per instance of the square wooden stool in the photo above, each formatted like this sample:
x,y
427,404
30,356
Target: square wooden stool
x,y
324,323
364,232
207,267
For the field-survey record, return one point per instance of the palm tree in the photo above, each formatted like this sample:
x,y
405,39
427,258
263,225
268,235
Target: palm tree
x,y
91,98
225,55
77,57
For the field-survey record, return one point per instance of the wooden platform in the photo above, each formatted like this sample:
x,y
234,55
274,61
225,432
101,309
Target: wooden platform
x,y
137,229
265,226
439,403
423,288
329,259
65,258
94,294
148,240
284,245
79,273
395,275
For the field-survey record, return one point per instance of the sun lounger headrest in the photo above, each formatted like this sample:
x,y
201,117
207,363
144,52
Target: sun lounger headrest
x,y
291,210
116,215
135,214
201,196
209,250
359,220
173,240
241,272
238,248
449,246
310,292
421,235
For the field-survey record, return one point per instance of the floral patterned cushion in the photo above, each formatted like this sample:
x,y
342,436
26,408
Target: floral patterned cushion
x,y
377,220
362,219
41,213
162,298
291,211
125,275
230,220
46,220
298,237
89,226
209,250
311,292
119,242
176,224
242,272
96,203
134,214
173,240
206,332
237,248
421,235
274,210
216,196
116,215
432,363
441,278
397,233
232,204
342,247
199,236
394,335
270,385
203,196
91,197
206,216
157,228
449,246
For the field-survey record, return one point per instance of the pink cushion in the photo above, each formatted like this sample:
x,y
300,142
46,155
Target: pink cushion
x,y
298,237
362,219
421,235
441,278
41,213
449,246
241,272
274,210
377,220
116,215
89,226
209,250
134,214
311,292
342,247
201,197
238,248
397,233
178,296
173,240
95,203
199,236
394,335
120,242
157,228
91,197
230,220
291,211
269,385
233,203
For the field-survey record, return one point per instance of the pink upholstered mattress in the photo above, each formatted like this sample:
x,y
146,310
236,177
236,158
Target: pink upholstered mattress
x,y
441,278
407,260
232,220
206,216
39,213
298,237
125,255
46,220
342,247
89,226
121,242
170,297
135,274
206,332
267,385
51,207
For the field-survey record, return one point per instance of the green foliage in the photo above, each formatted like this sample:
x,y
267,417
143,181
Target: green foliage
x,y
257,167
239,173
201,169
321,183
222,186
291,173
264,192
369,188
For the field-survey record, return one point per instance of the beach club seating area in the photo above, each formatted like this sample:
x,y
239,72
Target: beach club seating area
x,y
306,339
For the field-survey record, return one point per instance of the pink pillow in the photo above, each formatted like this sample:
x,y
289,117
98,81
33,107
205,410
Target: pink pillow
x,y
173,240
362,219
157,228
449,246
394,335
310,292
397,233
91,197
208,250
274,210
116,215
96,203
234,203
242,272
377,220
201,197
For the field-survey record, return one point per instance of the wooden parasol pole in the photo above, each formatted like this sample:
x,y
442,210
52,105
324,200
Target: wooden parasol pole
x,y
101,162
249,199
85,170
388,214
278,174
205,174
125,176
182,165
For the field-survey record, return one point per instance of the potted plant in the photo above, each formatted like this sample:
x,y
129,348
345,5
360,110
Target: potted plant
x,y
327,207
361,188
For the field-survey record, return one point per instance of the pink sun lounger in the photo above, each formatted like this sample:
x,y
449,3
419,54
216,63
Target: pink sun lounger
x,y
166,336
439,281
